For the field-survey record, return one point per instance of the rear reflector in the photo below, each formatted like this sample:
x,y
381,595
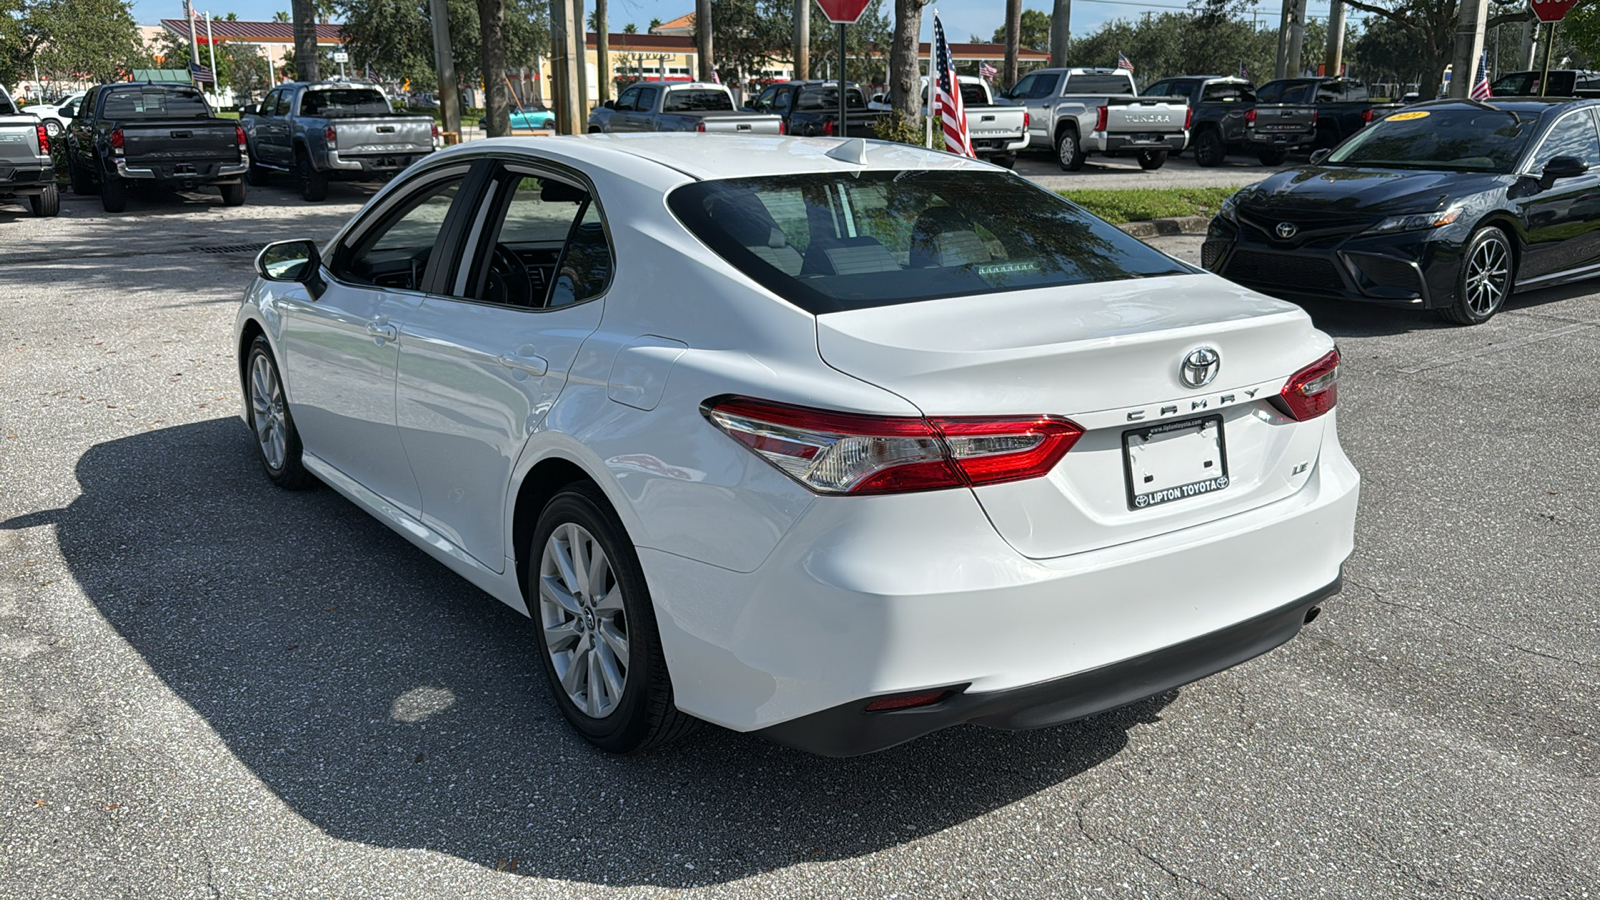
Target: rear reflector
x,y
1313,390
907,701
847,453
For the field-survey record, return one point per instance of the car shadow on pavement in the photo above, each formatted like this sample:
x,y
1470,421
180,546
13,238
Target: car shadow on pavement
x,y
387,702
1350,319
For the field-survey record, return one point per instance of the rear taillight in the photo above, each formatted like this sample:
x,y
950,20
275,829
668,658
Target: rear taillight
x,y
1026,120
116,139
44,139
1100,116
1313,390
1366,114
238,133
1313,117
331,136
700,126
827,128
1188,118
782,128
1250,116
436,131
846,453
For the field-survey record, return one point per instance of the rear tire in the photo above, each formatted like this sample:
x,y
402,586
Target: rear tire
x,y
1068,151
1488,269
1272,157
232,194
313,184
1004,160
1209,149
46,203
114,194
1151,160
592,635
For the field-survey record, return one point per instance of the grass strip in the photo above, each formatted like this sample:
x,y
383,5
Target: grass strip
x,y
1144,204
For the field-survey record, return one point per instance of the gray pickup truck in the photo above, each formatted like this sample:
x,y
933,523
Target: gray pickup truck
x,y
692,106
1077,112
25,167
331,131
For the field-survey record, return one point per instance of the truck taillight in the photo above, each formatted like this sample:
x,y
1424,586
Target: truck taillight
x,y
847,453
700,126
1188,118
782,128
436,131
331,136
827,128
1311,391
1100,116
1250,116
1366,115
116,139
1026,120
238,133
1313,117
44,139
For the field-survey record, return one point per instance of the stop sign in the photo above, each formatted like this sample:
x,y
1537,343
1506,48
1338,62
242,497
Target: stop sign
x,y
1546,10
846,12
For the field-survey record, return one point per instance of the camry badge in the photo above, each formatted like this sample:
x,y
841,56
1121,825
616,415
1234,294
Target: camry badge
x,y
1200,367
1286,230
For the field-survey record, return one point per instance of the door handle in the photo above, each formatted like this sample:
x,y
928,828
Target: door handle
x,y
533,365
383,332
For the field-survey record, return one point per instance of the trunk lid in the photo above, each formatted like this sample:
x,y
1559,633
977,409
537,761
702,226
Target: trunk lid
x,y
385,136
179,141
1108,357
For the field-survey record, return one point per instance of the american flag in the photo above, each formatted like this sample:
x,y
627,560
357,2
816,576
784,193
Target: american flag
x,y
1123,63
947,103
1480,85
201,74
986,71
1243,72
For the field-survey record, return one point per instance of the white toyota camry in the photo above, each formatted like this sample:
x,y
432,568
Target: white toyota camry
x,y
841,442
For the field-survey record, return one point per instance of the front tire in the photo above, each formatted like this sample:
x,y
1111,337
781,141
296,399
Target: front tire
x,y
277,440
46,203
1209,149
1068,151
1484,282
313,184
597,628
1151,160
53,128
114,193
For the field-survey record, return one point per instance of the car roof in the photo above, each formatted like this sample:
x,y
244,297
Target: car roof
x,y
1536,106
708,157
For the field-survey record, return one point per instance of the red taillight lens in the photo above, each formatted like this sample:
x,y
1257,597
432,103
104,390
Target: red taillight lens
x,y
1100,118
331,136
845,453
238,132
1366,115
44,139
827,128
436,131
1313,390
782,128
1027,119
906,701
700,126
1188,118
116,138
1250,116
1313,117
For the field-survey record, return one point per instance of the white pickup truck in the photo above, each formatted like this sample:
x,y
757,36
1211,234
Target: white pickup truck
x,y
1077,112
694,106
997,131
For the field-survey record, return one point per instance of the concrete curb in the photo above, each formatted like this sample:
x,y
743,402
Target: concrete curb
x,y
1179,225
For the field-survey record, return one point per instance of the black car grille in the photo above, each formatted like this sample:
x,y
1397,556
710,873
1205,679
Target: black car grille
x,y
1211,252
1309,226
1386,272
1287,270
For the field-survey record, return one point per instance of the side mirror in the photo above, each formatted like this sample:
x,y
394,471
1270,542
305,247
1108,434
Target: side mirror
x,y
1317,156
296,262
610,104
69,111
1562,167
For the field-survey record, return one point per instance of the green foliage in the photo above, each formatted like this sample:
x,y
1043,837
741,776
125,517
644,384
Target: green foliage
x,y
1144,204
1035,31
396,37
240,66
67,39
903,129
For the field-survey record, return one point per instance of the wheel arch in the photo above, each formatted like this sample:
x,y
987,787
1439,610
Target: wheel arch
x,y
1062,124
248,333
541,483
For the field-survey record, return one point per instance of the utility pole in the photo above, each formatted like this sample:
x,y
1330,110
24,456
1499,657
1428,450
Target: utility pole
x,y
581,65
1469,44
702,36
802,39
602,48
444,62
1013,40
1279,67
305,41
1335,58
1060,32
1297,37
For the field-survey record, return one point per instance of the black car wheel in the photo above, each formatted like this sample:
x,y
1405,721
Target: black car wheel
x,y
1150,160
1209,149
232,194
1487,269
46,203
1068,153
313,184
114,194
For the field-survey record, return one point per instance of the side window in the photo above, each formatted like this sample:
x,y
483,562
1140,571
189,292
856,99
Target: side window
x,y
269,103
285,99
626,101
1019,90
86,106
396,252
548,247
1044,86
1573,135
646,100
783,99
765,100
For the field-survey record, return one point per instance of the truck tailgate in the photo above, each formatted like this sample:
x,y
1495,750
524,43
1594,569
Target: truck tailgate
x,y
1284,117
740,123
19,144
179,141
396,136
1146,116
995,121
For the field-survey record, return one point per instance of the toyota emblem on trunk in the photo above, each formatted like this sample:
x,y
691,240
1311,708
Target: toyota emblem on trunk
x,y
1200,367
1286,230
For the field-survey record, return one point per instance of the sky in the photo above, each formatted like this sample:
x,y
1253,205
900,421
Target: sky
x,y
961,18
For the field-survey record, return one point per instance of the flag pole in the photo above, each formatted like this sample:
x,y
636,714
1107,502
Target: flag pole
x,y
194,44
842,127
211,46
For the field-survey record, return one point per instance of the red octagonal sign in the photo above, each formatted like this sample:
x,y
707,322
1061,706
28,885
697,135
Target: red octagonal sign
x,y
846,12
1547,10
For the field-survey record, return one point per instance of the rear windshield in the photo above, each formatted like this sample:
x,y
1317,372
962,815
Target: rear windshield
x,y
835,242
1099,84
696,101
1287,92
827,97
154,102
7,108
343,103
1457,140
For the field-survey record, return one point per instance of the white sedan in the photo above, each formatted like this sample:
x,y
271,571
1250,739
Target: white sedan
x,y
840,442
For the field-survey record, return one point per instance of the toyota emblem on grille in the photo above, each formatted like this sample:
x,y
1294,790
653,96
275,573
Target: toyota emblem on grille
x,y
1200,367
1286,230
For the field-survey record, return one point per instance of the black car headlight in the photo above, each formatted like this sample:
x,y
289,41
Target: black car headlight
x,y
1226,210
1416,222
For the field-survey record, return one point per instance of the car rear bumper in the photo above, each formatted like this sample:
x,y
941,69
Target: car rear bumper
x,y
369,164
26,178
1275,140
874,596
1100,142
185,173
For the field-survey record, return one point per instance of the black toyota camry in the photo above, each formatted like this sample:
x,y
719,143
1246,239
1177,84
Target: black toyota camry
x,y
1450,205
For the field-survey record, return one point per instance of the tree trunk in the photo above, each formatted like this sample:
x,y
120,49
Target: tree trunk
x,y
905,64
802,39
1060,32
305,41
602,48
702,37
496,103
1013,41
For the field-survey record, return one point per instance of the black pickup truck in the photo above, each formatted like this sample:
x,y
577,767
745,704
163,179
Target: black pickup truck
x,y
811,108
1343,107
1229,119
156,134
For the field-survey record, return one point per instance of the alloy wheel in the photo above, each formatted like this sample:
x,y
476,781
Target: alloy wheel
x,y
585,626
1488,277
267,412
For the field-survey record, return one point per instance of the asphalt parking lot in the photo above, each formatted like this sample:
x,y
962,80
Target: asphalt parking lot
x,y
209,687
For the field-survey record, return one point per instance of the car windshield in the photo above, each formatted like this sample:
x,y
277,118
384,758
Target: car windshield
x,y
835,242
154,102
697,100
1463,139
344,103
1287,92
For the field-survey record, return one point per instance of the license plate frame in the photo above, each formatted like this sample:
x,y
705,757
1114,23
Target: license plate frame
x,y
1163,489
